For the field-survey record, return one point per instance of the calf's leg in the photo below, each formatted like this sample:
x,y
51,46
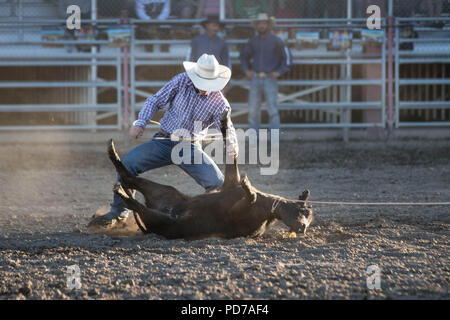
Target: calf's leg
x,y
154,220
249,193
156,195
231,169
246,202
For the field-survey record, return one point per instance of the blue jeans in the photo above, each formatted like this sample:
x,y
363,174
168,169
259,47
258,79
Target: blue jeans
x,y
156,153
270,88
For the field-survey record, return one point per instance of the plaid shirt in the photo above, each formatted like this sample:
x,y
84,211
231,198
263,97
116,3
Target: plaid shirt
x,y
186,106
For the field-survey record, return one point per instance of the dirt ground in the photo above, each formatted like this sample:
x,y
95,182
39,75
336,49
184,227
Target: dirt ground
x,y
52,183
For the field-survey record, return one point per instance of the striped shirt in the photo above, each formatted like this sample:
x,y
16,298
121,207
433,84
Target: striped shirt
x,y
187,109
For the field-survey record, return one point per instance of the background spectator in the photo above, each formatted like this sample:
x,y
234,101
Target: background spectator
x,y
212,8
264,59
311,9
285,9
113,8
434,8
209,42
152,9
208,8
185,9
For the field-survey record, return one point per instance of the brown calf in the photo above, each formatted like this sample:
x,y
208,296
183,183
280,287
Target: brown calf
x,y
237,209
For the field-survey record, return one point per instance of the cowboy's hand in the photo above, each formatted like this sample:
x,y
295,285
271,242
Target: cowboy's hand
x,y
250,74
275,75
136,132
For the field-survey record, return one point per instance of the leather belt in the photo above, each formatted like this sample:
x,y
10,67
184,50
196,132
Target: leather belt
x,y
176,138
164,132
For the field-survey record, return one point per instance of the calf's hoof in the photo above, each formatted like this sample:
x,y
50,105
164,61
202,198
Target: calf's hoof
x,y
109,219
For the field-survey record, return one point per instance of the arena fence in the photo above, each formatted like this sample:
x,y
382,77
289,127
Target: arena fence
x,y
424,93
359,86
338,103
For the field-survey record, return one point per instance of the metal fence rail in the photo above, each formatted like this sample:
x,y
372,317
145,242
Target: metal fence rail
x,y
345,60
86,112
330,94
418,58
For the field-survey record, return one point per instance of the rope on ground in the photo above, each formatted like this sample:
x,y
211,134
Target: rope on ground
x,y
381,203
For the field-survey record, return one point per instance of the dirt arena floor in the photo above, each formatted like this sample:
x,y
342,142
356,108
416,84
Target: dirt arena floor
x,y
52,183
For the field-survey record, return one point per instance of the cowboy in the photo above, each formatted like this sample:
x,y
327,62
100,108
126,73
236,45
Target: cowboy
x,y
264,59
209,42
193,98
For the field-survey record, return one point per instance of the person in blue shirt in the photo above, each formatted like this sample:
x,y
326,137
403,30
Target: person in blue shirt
x,y
209,42
264,59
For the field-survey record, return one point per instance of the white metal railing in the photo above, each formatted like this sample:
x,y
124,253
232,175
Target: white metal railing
x,y
345,59
403,57
138,57
30,53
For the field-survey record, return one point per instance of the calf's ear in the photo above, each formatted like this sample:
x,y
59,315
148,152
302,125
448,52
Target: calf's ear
x,y
304,196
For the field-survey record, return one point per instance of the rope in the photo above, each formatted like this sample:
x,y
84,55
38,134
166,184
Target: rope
x,y
275,204
202,138
184,139
380,203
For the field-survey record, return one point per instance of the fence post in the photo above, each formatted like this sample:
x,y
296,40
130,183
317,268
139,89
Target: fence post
x,y
390,103
92,115
222,10
126,98
346,115
132,75
397,78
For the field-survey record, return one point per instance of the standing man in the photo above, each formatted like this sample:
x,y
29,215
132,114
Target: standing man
x,y
209,42
264,59
193,98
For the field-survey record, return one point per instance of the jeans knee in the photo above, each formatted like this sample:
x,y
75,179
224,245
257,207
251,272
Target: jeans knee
x,y
129,164
217,184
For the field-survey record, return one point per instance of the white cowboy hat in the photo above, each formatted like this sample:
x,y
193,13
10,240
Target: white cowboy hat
x,y
207,74
263,17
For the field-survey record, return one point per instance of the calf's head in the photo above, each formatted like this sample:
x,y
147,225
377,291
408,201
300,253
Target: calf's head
x,y
295,214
